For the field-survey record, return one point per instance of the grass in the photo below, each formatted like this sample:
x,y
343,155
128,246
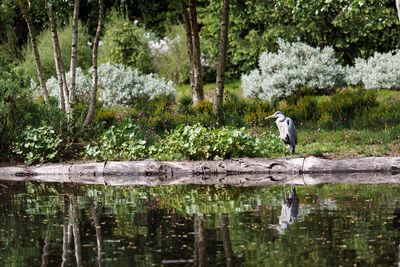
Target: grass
x,y
349,142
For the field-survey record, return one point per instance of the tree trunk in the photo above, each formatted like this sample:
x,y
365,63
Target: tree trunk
x,y
186,24
74,59
93,94
38,63
67,233
74,221
192,32
62,83
46,252
398,8
99,237
199,241
226,241
223,46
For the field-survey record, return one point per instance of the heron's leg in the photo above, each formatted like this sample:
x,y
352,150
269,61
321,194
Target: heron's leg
x,y
284,151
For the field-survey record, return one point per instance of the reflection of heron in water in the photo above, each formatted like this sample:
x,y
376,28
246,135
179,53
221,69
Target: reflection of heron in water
x,y
289,212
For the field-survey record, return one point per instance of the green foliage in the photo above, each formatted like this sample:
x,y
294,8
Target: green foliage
x,y
199,143
339,109
345,105
47,56
15,103
170,55
305,109
38,144
353,28
124,142
125,43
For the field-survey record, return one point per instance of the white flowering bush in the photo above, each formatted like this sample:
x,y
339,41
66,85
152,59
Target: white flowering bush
x,y
293,66
122,85
377,72
82,86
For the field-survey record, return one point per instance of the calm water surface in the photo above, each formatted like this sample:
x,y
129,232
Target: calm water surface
x,y
325,225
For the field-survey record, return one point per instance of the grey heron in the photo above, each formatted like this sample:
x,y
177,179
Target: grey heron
x,y
287,130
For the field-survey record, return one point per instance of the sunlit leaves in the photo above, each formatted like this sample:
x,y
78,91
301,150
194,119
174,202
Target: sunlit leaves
x,y
38,145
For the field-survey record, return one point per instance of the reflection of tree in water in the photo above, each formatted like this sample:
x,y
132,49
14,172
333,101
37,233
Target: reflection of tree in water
x,y
200,252
71,231
289,212
396,219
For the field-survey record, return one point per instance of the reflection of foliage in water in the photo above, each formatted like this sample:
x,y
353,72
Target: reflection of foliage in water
x,y
344,224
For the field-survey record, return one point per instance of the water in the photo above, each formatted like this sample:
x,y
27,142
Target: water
x,y
187,225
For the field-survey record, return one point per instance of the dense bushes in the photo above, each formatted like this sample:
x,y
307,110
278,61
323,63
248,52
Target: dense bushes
x,y
122,85
82,86
40,144
338,110
353,28
197,142
295,65
118,85
16,105
377,72
125,141
125,43
184,142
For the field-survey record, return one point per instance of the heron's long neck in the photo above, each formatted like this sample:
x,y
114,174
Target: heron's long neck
x,y
281,118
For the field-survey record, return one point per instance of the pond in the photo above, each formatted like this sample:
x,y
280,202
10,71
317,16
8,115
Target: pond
x,y
50,224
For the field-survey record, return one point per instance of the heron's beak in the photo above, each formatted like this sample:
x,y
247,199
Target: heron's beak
x,y
269,117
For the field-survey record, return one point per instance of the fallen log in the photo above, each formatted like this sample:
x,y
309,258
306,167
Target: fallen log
x,y
167,169
369,164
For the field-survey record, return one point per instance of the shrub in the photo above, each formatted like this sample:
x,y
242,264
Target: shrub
x,y
345,105
294,65
199,143
122,85
125,142
305,109
15,105
38,144
125,43
82,89
377,72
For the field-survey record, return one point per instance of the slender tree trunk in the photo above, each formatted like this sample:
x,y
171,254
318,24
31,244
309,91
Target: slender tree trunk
x,y
226,241
192,32
45,255
38,63
186,24
73,65
199,241
93,94
62,83
223,46
67,234
74,51
99,238
198,93
74,221
398,8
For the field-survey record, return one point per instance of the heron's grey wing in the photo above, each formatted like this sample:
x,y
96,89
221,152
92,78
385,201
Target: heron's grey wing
x,y
283,131
292,133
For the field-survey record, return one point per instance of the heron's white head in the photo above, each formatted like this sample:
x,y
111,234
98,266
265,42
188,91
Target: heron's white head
x,y
277,114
